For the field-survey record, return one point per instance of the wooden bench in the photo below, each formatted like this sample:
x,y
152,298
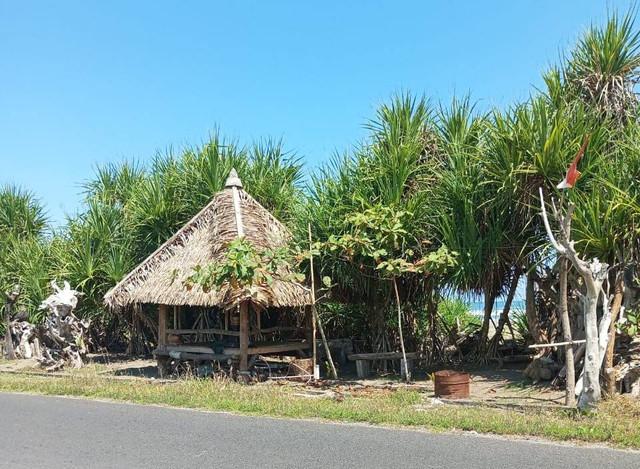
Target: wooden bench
x,y
363,361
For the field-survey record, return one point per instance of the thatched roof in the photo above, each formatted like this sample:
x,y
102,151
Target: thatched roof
x,y
232,213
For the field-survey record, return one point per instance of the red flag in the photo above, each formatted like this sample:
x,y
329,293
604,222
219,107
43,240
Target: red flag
x,y
573,173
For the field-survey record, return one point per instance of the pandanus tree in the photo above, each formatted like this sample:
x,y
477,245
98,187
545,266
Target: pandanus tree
x,y
602,69
24,246
471,216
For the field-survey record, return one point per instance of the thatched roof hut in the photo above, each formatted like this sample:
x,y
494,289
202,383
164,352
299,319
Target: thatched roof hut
x,y
232,213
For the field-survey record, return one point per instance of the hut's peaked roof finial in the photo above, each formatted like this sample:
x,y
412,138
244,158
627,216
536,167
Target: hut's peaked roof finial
x,y
233,180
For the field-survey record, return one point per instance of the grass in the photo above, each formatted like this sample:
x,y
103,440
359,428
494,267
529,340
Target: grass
x,y
616,422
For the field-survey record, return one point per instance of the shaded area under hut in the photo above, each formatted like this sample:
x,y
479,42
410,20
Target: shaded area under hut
x,y
229,326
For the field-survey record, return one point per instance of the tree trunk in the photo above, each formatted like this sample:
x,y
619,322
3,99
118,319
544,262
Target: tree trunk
x,y
618,294
530,311
570,392
591,393
489,298
504,316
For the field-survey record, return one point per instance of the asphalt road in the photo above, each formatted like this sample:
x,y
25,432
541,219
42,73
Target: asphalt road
x,y
52,432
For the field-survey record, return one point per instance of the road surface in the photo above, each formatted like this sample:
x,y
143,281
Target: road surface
x,y
54,432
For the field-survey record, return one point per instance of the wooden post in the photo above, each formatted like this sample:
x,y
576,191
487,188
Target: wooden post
x,y
362,368
244,336
406,367
163,314
309,321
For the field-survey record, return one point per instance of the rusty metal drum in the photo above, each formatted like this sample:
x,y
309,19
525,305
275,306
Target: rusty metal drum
x,y
452,384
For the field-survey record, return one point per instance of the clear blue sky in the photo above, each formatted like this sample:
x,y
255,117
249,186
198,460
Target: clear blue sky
x,y
84,83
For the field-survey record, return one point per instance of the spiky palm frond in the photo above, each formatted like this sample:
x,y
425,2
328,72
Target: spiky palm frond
x,y
604,66
21,213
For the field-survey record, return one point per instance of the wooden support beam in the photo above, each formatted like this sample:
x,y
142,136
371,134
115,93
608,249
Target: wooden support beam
x,y
380,356
269,330
244,336
273,348
163,314
202,331
286,347
558,344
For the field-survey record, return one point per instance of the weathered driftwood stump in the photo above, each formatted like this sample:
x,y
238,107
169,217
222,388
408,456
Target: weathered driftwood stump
x,y
627,371
64,336
60,341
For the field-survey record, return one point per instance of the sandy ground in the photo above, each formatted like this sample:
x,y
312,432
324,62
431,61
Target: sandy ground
x,y
489,383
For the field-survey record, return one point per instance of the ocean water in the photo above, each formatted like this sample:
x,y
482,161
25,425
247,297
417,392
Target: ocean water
x,y
477,307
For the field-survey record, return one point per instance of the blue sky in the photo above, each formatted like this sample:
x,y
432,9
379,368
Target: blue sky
x,y
85,83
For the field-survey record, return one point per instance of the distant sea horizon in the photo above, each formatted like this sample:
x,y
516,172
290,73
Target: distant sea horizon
x,y
477,307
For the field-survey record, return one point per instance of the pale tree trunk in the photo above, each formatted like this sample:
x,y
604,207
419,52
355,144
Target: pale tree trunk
x,y
570,392
591,393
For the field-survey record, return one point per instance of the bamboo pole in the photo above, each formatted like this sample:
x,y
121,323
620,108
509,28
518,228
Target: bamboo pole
x,y
316,317
404,353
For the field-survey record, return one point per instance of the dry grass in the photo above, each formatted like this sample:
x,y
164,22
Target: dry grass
x,y
616,423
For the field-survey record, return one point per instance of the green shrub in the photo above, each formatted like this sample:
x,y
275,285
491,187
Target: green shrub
x,y
451,308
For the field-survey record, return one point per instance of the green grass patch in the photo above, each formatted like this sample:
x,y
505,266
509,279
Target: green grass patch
x,y
615,423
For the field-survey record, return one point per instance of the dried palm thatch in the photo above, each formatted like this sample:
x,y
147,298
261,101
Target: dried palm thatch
x,y
159,279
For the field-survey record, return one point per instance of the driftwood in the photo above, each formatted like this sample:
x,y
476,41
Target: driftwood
x,y
61,340
594,273
542,368
627,372
562,375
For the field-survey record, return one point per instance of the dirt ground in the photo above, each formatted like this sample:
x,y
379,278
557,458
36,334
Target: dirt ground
x,y
489,383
